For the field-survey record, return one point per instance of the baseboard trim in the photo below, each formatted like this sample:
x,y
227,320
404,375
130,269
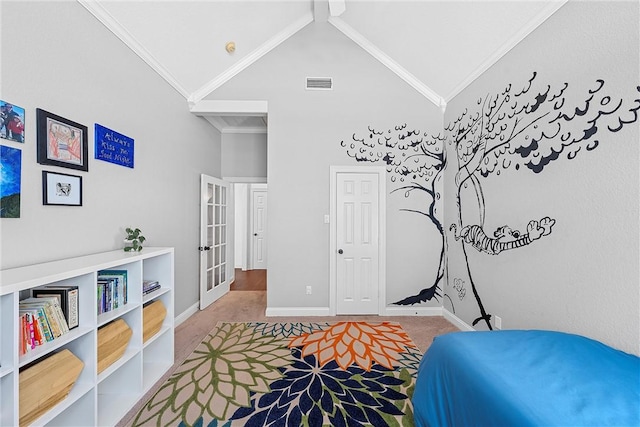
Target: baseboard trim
x,y
412,311
186,314
326,311
457,322
297,311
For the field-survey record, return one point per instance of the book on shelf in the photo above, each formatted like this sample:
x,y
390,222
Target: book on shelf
x,y
67,298
112,290
149,286
27,335
41,324
53,311
41,321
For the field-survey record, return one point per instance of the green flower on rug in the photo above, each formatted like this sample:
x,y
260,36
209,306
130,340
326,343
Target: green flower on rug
x,y
287,330
232,362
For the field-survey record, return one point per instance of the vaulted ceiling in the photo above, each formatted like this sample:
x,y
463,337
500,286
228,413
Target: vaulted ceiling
x,y
438,47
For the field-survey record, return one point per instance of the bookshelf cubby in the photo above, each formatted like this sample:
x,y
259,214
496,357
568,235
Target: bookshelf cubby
x,y
96,398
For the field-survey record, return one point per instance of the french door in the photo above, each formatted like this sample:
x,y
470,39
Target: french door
x,y
214,231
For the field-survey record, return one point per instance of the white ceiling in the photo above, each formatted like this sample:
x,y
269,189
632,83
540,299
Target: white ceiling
x,y
438,47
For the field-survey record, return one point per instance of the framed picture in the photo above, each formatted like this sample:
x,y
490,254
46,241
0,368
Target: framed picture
x,y
11,122
61,189
61,142
11,176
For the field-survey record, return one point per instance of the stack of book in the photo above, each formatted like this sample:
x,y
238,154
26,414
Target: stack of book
x,y
42,318
112,290
67,298
149,286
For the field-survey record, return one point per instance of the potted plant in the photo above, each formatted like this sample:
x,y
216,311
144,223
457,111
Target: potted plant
x,y
134,240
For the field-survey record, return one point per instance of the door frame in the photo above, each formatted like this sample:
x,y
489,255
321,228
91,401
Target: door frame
x,y
245,224
382,240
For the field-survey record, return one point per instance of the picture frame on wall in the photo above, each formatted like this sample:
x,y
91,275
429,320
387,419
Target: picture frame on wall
x,y
12,120
61,189
61,142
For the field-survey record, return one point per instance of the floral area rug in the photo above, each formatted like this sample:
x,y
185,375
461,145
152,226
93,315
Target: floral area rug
x,y
291,374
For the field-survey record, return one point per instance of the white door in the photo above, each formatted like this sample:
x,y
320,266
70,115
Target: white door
x,y
258,229
214,267
357,244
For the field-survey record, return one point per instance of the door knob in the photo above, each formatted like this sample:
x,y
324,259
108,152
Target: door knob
x,y
204,248
340,251
255,234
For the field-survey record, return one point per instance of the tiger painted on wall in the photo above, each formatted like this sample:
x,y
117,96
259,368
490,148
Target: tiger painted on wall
x,y
476,237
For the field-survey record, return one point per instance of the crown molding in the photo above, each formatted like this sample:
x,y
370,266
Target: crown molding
x,y
245,62
112,24
534,23
392,65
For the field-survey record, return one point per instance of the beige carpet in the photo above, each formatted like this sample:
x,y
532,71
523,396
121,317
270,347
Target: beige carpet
x,y
249,306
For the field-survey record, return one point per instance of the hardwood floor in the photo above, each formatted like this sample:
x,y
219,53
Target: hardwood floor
x,y
249,280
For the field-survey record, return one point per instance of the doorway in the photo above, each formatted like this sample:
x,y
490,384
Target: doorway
x,y
251,218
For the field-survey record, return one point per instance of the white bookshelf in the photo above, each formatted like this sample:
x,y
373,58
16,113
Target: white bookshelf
x,y
95,399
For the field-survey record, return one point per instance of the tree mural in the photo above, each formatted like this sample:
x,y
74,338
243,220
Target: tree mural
x,y
519,129
525,129
414,160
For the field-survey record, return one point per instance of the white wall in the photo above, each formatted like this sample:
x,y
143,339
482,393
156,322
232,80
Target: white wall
x,y
583,276
58,57
305,131
244,154
240,195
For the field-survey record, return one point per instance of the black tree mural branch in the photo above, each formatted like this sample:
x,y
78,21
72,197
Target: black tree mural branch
x,y
414,156
529,128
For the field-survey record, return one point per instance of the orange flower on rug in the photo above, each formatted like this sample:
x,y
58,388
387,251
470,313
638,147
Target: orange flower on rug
x,y
359,342
291,374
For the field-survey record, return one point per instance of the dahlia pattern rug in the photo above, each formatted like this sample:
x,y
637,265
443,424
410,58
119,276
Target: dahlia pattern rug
x,y
291,374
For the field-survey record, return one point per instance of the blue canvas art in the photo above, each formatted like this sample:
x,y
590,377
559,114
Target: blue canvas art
x,y
113,147
10,173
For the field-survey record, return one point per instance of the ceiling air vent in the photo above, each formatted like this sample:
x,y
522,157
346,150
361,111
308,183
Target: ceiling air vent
x,y
319,83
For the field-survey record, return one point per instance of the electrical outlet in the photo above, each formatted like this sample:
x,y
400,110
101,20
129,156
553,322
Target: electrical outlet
x,y
308,290
498,322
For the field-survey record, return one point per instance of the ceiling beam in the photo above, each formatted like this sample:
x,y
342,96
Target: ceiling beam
x,y
112,24
392,65
246,61
527,29
337,7
320,10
